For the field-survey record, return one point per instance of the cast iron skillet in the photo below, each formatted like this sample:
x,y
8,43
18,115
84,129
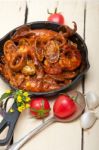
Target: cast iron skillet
x,y
10,120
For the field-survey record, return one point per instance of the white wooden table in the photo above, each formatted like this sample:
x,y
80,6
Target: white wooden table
x,y
86,14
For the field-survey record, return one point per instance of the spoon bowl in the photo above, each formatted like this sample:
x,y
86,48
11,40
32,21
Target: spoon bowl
x,y
80,106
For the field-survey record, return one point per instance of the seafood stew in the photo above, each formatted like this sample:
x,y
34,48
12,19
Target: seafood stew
x,y
42,59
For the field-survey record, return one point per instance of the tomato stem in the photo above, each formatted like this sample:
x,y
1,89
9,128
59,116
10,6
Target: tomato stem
x,y
55,10
75,97
49,12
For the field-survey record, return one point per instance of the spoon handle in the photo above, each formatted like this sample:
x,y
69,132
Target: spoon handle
x,y
32,133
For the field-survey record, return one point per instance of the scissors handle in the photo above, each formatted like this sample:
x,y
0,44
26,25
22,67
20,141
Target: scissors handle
x,y
9,120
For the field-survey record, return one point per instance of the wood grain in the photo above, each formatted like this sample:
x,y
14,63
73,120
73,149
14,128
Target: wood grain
x,y
11,16
91,137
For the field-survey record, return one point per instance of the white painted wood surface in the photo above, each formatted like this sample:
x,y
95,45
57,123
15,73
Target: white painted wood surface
x,y
91,137
11,15
57,136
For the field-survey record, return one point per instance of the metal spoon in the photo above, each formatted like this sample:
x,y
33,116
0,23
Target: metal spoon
x,y
80,102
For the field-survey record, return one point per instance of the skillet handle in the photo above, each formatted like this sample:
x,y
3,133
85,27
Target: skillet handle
x,y
10,121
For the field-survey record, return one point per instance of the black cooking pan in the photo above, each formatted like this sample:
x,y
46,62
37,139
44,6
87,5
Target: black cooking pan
x,y
83,69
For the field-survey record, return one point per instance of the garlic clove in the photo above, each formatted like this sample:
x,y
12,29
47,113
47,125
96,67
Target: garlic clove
x,y
87,120
92,100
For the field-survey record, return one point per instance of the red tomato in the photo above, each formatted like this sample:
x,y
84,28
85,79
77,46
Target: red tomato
x,y
39,107
57,17
64,106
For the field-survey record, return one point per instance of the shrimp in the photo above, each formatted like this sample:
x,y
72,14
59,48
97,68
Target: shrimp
x,y
52,68
71,60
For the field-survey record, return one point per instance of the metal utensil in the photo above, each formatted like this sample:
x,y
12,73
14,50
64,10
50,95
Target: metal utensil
x,y
80,102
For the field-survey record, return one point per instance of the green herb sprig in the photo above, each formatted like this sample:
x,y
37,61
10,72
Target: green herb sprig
x,y
20,97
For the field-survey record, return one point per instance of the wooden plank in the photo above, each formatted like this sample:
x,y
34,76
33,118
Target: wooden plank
x,y
11,16
91,136
57,136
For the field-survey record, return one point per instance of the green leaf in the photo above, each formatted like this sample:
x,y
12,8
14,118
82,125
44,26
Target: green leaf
x,y
5,95
23,98
19,104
